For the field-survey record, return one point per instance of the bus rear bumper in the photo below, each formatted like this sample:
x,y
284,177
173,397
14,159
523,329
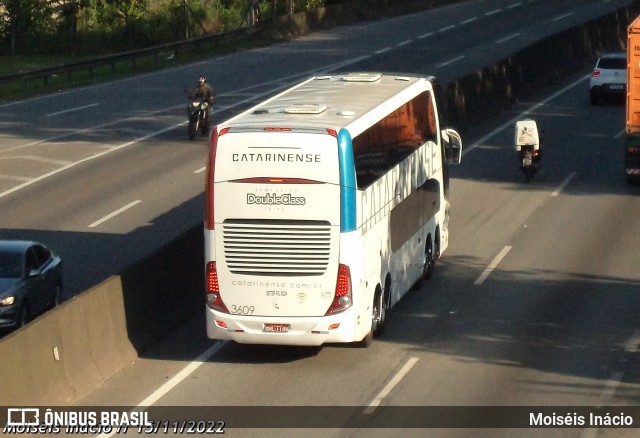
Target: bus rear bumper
x,y
294,331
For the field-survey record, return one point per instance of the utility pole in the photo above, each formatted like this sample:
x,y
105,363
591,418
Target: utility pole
x,y
185,18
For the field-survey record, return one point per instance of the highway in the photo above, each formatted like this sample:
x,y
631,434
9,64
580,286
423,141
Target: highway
x,y
535,301
106,174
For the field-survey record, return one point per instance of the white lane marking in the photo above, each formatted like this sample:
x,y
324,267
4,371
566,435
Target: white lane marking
x,y
633,344
610,388
202,169
507,38
449,62
494,12
469,20
14,177
183,374
562,17
392,383
620,282
446,28
72,109
564,183
619,134
85,130
38,159
485,274
510,123
514,5
92,157
404,43
115,213
425,35
378,52
175,380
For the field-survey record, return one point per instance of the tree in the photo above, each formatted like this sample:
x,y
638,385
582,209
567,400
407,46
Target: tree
x,y
23,19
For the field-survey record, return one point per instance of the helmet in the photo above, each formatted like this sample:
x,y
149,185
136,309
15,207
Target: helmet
x,y
202,79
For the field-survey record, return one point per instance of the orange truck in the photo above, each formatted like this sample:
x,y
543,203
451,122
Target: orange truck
x,y
632,146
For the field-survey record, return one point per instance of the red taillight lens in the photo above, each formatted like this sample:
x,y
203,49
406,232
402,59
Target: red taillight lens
x,y
595,73
342,299
633,149
214,300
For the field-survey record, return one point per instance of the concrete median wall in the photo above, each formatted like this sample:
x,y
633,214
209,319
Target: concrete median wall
x,y
67,352
489,91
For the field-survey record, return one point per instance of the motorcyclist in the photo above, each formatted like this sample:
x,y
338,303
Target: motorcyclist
x,y
205,92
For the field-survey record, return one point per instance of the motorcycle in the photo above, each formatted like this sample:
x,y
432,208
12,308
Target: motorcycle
x,y
528,147
198,120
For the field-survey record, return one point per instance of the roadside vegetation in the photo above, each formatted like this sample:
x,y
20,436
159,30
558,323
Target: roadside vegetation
x,y
34,33
39,34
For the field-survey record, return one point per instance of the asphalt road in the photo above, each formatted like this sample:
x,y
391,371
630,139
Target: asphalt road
x,y
535,302
106,174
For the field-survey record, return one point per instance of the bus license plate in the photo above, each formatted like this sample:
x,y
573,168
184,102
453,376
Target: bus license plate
x,y
276,328
526,161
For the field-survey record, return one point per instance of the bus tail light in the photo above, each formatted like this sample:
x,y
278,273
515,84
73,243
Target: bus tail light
x,y
214,300
342,299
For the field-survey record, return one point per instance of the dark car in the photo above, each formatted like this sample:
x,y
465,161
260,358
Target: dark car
x,y
30,281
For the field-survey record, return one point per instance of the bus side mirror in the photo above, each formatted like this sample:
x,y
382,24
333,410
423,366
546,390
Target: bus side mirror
x,y
453,145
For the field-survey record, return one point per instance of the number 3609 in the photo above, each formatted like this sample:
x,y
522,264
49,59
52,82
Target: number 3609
x,y
242,310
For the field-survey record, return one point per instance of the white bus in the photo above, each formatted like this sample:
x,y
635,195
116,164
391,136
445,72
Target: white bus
x,y
324,205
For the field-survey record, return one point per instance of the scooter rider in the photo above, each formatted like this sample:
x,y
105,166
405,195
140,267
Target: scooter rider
x,y
528,141
527,134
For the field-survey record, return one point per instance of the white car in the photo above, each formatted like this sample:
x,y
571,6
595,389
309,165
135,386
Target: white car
x,y
609,77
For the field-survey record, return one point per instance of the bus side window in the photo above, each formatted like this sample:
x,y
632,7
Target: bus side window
x,y
394,138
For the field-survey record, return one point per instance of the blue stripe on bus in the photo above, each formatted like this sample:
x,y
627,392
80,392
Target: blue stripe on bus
x,y
347,182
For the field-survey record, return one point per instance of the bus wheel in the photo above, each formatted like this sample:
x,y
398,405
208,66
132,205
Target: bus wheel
x,y
380,311
429,261
378,318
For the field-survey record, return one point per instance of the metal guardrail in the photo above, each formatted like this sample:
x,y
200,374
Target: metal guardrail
x,y
112,60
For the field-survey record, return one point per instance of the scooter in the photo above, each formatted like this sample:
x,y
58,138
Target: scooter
x,y
528,147
530,162
197,111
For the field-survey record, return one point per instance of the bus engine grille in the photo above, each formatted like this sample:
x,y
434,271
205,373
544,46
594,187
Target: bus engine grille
x,y
276,247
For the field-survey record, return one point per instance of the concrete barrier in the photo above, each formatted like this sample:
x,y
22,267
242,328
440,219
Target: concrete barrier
x,y
489,91
67,352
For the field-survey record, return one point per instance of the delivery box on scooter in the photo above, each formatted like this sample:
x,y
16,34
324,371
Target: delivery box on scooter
x,y
527,134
